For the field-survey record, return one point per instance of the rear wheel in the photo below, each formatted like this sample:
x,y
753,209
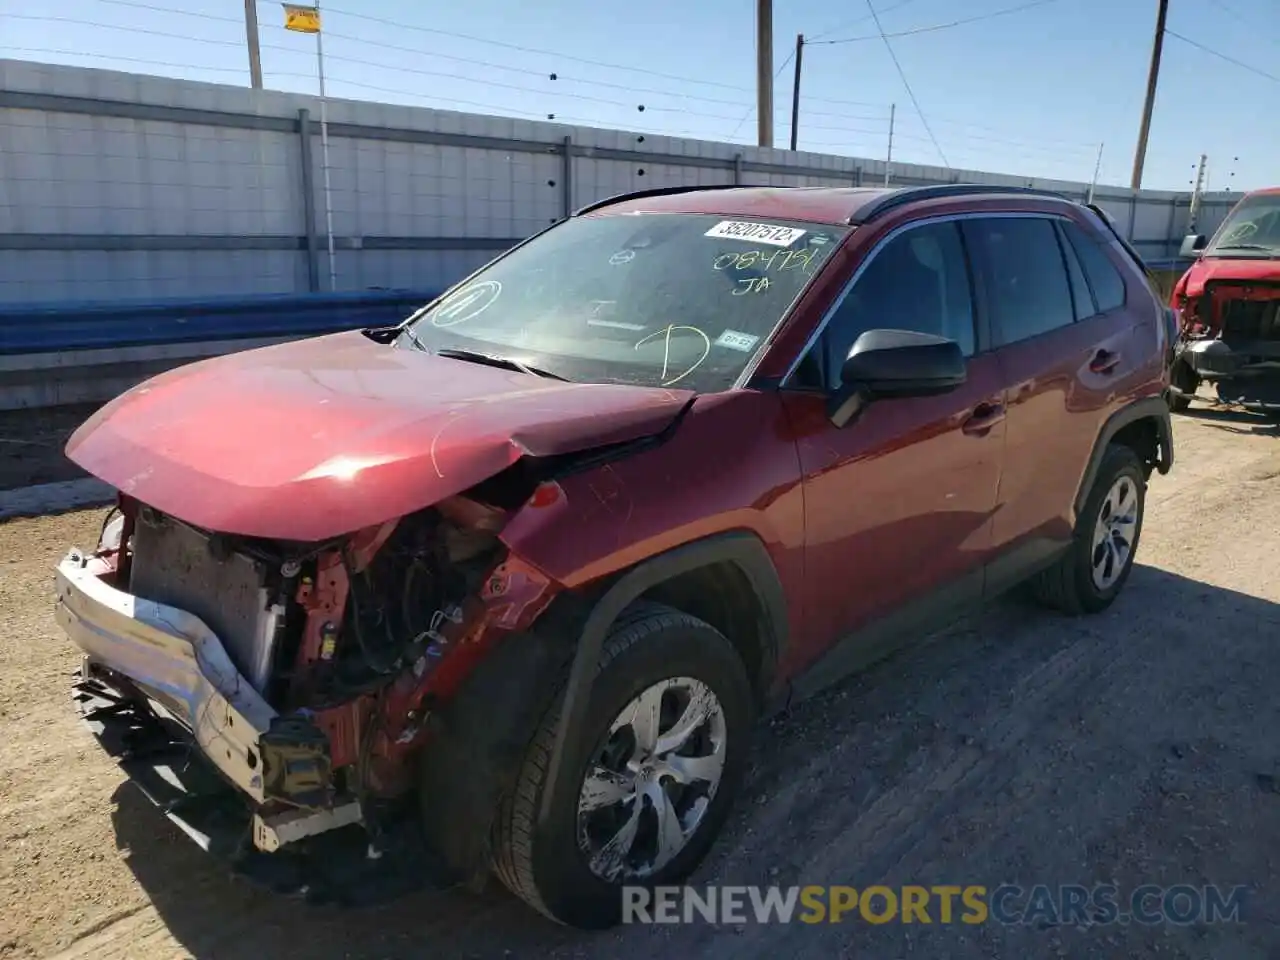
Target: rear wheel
x,y
1091,574
666,732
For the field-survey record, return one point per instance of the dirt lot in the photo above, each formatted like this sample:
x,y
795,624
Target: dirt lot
x,y
1141,746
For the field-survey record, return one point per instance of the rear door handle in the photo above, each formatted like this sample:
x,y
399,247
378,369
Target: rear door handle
x,y
1104,361
984,417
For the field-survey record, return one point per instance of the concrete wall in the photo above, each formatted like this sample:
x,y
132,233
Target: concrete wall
x,y
116,186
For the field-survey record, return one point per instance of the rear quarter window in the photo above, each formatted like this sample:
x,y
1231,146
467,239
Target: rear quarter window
x,y
1104,278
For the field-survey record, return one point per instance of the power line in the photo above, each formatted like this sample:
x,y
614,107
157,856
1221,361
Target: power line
x,y
339,58
44,18
945,26
906,83
1035,144
837,115
513,111
996,130
548,118
853,23
1248,23
442,56
1222,56
526,71
46,51
551,53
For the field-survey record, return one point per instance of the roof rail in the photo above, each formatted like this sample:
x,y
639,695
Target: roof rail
x,y
938,191
655,192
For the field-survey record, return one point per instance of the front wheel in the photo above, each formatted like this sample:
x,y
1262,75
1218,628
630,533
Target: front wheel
x,y
667,732
1091,574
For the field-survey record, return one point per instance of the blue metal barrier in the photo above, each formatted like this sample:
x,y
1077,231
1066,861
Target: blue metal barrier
x,y
46,328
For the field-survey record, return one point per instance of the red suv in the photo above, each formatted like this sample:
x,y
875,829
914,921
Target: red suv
x,y
505,587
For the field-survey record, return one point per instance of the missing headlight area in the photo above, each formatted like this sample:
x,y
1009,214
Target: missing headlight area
x,y
340,638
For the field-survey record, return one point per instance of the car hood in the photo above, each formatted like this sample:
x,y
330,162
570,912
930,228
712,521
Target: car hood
x,y
320,437
1220,270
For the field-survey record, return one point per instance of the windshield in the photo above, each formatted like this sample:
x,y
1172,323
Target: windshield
x,y
1252,227
652,299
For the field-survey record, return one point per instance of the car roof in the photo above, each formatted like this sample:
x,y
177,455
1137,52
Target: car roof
x,y
833,205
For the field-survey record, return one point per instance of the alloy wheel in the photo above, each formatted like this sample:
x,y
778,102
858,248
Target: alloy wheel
x,y
1114,533
648,788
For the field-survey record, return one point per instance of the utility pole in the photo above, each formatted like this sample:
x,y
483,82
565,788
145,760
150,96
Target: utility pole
x,y
1153,74
1093,184
251,37
888,157
764,72
1195,194
795,91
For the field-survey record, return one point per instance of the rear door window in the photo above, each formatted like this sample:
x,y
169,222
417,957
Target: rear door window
x,y
1025,276
1104,278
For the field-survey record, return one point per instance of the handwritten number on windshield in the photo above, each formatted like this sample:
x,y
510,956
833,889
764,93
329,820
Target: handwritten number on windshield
x,y
774,259
666,333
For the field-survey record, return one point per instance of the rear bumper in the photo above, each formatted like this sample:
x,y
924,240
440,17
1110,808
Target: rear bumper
x,y
173,659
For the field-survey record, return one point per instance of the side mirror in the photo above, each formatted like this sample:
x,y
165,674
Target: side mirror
x,y
1192,244
883,364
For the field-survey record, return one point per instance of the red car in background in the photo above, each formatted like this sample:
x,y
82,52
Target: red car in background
x,y
1229,302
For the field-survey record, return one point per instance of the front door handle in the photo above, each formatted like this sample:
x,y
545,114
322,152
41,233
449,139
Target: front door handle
x,y
1104,361
984,417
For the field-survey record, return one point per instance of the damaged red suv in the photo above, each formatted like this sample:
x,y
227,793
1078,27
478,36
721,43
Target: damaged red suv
x,y
503,589
1229,307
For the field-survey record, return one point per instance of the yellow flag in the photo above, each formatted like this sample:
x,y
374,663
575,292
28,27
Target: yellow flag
x,y
301,19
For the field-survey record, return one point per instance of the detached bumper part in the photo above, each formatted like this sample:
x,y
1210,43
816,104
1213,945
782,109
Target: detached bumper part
x,y
322,856
1210,359
164,700
137,649
176,661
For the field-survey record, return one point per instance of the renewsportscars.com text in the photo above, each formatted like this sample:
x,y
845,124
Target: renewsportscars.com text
x,y
1070,904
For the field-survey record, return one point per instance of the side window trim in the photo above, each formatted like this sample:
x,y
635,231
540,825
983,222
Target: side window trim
x,y
983,334
1069,256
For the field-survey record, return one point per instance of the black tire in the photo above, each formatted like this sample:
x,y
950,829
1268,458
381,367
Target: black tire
x,y
1068,585
1185,380
545,866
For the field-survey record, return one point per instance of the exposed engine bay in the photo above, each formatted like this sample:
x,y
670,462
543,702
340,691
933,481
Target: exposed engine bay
x,y
344,640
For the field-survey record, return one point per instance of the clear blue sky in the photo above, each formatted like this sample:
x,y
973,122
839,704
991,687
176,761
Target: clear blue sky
x,y
1032,91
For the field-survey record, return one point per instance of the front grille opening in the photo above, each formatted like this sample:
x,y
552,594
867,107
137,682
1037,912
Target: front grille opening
x,y
1250,321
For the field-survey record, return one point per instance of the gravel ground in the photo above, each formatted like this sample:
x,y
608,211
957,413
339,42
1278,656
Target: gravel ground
x,y
1139,746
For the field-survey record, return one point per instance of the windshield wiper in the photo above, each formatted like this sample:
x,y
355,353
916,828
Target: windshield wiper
x,y
417,341
1243,246
495,361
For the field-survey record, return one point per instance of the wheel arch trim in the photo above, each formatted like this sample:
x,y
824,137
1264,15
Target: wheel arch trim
x,y
741,548
1154,408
